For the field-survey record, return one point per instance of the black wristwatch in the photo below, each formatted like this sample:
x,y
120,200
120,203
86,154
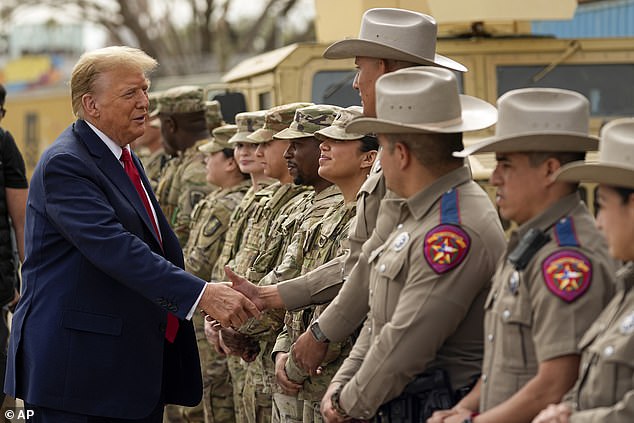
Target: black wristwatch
x,y
317,333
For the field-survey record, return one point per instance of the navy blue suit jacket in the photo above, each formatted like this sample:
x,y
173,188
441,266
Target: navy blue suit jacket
x,y
88,333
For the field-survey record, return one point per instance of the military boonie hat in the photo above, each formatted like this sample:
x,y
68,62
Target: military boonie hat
x,y
539,119
183,99
213,114
337,130
276,119
247,123
615,166
308,120
220,139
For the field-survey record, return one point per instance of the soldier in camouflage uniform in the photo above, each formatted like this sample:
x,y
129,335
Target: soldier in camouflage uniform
x,y
182,112
209,223
247,123
302,158
346,160
149,146
280,202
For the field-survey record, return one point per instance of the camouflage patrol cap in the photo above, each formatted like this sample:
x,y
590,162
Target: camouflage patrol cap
x,y
213,114
276,119
153,98
220,139
309,119
337,130
247,123
183,99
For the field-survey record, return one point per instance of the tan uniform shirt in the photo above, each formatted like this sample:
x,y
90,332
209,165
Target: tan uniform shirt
x,y
605,389
428,284
541,313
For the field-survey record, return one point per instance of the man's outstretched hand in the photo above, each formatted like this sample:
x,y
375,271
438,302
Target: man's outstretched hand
x,y
227,305
246,288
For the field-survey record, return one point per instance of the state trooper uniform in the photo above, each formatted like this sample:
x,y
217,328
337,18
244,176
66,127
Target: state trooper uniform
x,y
437,261
604,391
555,275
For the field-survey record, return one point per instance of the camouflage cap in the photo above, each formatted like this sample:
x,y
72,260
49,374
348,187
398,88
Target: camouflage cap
x,y
220,139
183,99
248,122
337,130
275,120
309,119
153,98
213,114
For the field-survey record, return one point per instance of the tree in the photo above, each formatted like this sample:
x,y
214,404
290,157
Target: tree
x,y
185,36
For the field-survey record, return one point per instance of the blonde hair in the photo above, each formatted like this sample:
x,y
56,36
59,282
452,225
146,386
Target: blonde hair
x,y
93,63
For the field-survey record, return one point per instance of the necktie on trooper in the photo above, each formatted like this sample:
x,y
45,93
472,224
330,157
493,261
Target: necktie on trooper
x,y
133,174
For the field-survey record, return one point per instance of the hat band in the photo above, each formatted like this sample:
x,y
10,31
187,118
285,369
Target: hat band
x,y
442,124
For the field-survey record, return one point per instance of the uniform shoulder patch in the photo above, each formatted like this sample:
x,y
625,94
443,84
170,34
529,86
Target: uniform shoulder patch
x,y
445,247
567,274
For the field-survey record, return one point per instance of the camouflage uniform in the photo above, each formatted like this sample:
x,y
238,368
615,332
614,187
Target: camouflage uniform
x,y
326,240
306,121
190,183
279,203
246,123
209,223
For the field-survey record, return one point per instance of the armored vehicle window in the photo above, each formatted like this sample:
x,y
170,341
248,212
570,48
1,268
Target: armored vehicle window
x,y
609,87
335,87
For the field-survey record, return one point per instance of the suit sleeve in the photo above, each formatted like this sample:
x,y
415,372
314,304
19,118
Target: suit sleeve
x,y
88,211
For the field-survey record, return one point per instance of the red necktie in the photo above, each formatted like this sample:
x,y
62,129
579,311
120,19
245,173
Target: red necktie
x,y
133,174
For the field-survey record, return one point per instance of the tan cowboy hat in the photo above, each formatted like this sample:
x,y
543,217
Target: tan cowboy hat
x,y
395,34
423,99
539,119
616,158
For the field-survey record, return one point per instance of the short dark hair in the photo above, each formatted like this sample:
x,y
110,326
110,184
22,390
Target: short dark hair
x,y
3,95
624,193
535,158
432,150
369,143
228,153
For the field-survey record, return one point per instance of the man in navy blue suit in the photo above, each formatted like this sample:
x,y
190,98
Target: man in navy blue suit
x,y
103,331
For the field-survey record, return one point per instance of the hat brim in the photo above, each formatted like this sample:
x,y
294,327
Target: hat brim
x,y
354,47
613,175
337,133
241,137
260,136
289,134
539,141
476,114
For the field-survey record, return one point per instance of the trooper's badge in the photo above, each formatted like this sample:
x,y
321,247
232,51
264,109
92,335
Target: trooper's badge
x,y
400,241
627,324
514,282
445,247
567,274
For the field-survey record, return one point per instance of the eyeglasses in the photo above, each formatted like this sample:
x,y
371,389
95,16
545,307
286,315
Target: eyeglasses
x,y
3,111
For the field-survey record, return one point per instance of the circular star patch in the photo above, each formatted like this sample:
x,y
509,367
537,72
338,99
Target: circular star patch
x,y
567,274
445,247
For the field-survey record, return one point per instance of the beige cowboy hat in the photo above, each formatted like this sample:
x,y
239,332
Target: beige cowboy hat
x,y
395,34
423,99
616,158
539,119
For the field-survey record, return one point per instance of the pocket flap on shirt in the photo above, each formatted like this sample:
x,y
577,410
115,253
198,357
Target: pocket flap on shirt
x,y
91,322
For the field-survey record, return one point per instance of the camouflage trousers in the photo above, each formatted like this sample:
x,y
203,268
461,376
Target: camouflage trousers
x,y
257,395
237,370
287,409
312,412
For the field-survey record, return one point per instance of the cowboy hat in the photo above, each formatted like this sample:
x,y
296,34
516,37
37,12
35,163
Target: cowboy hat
x,y
616,158
395,34
539,119
423,99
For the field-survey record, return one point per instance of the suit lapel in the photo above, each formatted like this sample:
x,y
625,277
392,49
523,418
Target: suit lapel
x,y
112,168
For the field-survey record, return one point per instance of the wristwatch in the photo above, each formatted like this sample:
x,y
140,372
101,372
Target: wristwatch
x,y
317,333
334,400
